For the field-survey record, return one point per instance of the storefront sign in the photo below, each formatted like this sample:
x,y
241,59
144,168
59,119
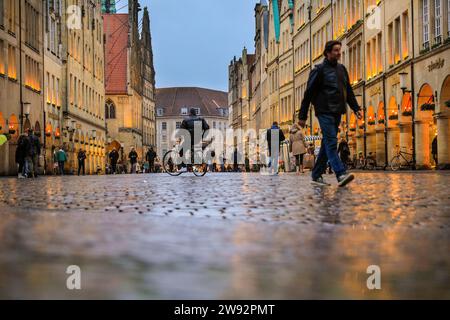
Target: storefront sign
x,y
436,64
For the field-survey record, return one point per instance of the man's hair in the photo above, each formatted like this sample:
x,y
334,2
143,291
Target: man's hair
x,y
275,123
193,112
329,46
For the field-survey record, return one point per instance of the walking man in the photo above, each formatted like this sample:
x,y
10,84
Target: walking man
x,y
329,90
62,158
114,157
81,161
275,137
150,158
133,156
36,152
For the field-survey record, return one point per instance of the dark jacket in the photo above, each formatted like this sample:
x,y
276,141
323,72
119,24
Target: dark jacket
x,y
114,156
281,137
22,147
189,124
35,145
329,90
133,156
81,156
150,156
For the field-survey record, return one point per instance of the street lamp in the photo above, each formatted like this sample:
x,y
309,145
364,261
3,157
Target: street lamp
x,y
403,82
26,109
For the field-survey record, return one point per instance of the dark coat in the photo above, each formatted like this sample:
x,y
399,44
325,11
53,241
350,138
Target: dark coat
x,y
329,90
81,156
281,137
189,125
150,156
22,147
114,156
133,156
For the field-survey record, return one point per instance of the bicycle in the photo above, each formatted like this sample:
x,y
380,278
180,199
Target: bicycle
x,y
401,157
173,160
370,162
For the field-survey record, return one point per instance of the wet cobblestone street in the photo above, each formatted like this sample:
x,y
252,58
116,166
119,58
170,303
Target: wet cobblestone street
x,y
237,236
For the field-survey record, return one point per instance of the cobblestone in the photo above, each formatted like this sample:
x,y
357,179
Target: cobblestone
x,y
242,236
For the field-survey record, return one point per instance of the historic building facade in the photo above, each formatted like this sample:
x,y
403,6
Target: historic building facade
x,y
130,82
148,77
83,114
21,74
397,56
173,106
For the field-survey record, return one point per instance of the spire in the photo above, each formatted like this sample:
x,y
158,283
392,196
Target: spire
x,y
109,6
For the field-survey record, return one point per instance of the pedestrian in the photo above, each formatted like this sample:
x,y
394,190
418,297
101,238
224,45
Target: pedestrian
x,y
133,157
150,158
298,146
62,158
329,90
20,156
55,161
81,161
275,138
344,151
434,150
113,158
35,152
28,154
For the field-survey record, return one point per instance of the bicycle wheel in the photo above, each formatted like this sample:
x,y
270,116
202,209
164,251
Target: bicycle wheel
x,y
200,169
169,161
395,163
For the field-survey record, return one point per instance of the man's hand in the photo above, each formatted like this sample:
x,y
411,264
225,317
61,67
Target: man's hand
x,y
302,123
359,115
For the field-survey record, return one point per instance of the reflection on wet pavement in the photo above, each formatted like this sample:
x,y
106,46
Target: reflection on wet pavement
x,y
225,236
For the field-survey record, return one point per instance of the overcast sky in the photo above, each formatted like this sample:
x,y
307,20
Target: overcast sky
x,y
195,40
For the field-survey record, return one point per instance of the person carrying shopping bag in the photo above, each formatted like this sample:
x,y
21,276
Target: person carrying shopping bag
x,y
298,146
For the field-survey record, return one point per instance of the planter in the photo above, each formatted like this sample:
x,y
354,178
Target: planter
x,y
393,117
48,134
12,131
428,107
447,103
406,113
381,121
361,127
371,123
353,129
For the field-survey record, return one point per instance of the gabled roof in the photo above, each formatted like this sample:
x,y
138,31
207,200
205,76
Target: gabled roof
x,y
172,100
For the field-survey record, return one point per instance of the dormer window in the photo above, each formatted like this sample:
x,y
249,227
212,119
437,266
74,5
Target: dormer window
x,y
160,112
184,111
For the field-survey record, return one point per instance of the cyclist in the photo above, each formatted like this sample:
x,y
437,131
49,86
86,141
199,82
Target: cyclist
x,y
189,125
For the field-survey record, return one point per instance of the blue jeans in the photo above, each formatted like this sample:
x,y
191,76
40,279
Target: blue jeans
x,y
273,162
329,124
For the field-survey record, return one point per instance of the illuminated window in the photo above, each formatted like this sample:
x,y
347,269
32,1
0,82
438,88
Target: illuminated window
x,y
437,20
12,71
2,58
426,22
405,35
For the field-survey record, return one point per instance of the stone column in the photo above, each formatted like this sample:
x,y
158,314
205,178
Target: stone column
x,y
381,143
359,143
405,135
443,129
393,137
371,141
423,144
